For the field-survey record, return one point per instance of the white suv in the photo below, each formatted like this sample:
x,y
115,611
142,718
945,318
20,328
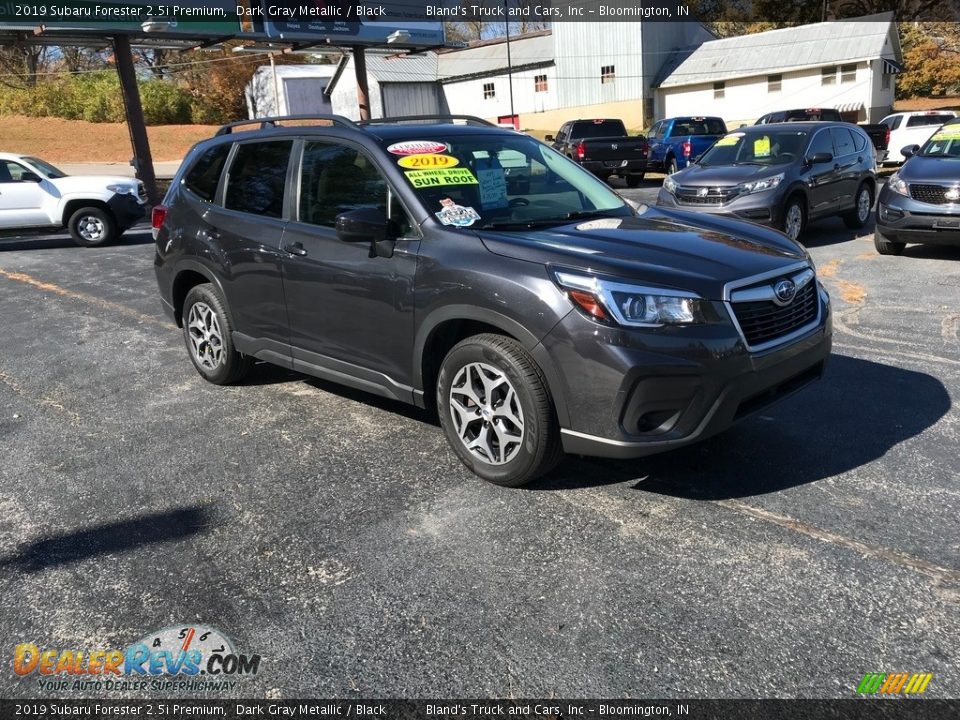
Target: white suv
x,y
911,128
96,209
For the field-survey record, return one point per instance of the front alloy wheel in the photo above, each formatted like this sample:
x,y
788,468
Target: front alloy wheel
x,y
793,220
486,413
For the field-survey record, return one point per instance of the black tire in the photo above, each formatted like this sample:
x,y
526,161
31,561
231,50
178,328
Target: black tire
x,y
671,166
538,448
634,180
92,226
794,203
857,218
886,246
230,366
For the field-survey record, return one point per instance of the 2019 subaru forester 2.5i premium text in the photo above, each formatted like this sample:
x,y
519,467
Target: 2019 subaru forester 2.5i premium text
x,y
535,309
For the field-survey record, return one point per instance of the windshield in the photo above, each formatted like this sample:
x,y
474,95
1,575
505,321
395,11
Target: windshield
x,y
46,168
501,181
777,147
945,142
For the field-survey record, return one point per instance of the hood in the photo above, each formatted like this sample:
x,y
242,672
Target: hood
x,y
725,175
90,183
931,169
661,247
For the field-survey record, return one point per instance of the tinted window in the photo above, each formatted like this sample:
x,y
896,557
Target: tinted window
x,y
756,147
859,141
11,172
204,176
842,140
821,143
607,128
892,122
337,178
698,126
921,120
257,178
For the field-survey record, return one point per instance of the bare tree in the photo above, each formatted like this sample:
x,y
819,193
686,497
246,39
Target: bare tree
x,y
21,63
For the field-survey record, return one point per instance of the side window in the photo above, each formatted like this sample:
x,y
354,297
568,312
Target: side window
x,y
842,140
257,178
562,135
204,176
11,172
338,178
661,130
859,141
652,132
821,143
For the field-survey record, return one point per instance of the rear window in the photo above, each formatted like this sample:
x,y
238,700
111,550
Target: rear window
x,y
921,120
607,128
257,178
699,126
204,176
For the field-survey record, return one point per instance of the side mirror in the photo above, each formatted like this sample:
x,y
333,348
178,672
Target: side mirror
x,y
820,158
368,225
909,151
30,177
549,138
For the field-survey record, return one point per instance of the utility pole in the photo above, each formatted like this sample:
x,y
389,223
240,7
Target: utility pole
x,y
142,158
513,117
363,91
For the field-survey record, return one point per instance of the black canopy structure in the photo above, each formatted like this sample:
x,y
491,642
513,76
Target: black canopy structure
x,y
123,26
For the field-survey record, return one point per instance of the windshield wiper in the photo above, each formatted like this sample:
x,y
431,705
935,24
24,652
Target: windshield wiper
x,y
581,214
513,224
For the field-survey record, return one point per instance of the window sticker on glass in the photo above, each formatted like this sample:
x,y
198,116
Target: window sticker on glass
x,y
416,147
428,161
761,147
493,183
456,215
951,133
444,176
731,139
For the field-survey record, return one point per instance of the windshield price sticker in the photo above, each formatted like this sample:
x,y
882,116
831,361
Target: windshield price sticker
x,y
947,134
444,176
761,147
732,139
417,147
428,161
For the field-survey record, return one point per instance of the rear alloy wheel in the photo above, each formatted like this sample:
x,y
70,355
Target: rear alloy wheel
x,y
634,180
496,410
794,218
92,226
860,214
208,335
885,246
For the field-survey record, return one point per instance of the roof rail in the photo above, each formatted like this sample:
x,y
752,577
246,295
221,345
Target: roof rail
x,y
266,122
468,120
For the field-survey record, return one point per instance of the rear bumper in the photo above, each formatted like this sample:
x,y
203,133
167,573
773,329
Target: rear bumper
x,y
615,167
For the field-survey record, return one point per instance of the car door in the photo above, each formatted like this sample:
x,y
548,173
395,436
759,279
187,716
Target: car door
x,y
350,311
21,201
820,178
655,146
561,138
847,162
241,238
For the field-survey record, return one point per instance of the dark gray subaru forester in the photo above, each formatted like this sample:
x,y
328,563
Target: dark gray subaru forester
x,y
461,266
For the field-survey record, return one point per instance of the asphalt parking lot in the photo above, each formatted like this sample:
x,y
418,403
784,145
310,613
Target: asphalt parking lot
x,y
336,535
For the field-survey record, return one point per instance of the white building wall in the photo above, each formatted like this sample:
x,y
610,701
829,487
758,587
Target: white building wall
x,y
746,99
466,97
344,97
582,49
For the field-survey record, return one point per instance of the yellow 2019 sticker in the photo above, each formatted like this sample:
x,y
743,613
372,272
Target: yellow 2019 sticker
x,y
761,147
428,161
729,139
438,177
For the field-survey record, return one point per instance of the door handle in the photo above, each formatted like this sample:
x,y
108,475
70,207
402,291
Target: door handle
x,y
296,249
208,234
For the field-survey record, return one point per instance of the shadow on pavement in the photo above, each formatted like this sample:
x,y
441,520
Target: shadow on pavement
x,y
856,414
108,538
10,242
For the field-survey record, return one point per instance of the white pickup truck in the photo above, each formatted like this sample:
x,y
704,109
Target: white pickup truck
x,y
96,209
911,128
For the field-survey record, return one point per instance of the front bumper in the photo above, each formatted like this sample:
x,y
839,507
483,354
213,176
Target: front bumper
x,y
763,208
127,209
620,168
903,219
631,393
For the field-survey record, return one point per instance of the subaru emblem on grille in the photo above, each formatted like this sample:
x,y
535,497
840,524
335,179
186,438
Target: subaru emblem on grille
x,y
702,192
953,194
784,292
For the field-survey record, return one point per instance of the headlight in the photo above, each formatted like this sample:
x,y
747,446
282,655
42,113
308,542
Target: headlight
x,y
896,183
122,189
616,303
669,184
760,185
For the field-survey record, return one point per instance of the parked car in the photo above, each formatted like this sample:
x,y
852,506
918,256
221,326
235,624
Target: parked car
x,y
675,142
912,128
603,147
97,209
783,175
920,203
878,133
399,260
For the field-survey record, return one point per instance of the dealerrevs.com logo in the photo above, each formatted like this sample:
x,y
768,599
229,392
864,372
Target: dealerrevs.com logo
x,y
181,657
